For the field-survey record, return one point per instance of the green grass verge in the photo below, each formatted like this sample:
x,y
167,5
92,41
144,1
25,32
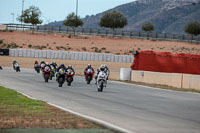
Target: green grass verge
x,y
14,102
19,112
55,131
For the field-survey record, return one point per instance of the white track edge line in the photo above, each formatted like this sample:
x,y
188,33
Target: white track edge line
x,y
106,124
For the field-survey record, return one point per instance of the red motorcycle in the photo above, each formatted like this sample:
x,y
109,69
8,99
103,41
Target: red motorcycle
x,y
47,73
69,77
89,75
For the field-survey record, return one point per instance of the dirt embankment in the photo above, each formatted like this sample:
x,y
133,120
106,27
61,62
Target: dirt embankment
x,y
92,43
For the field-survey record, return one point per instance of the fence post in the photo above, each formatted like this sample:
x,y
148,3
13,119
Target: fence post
x,y
173,37
59,29
90,31
183,37
131,34
106,32
165,35
67,30
82,30
156,35
138,34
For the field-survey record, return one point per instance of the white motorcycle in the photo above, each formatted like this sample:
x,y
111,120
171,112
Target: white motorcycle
x,y
101,81
16,67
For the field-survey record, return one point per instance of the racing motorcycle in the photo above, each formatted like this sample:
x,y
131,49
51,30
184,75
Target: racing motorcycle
x,y
69,77
101,81
53,71
16,67
37,68
46,73
61,77
89,75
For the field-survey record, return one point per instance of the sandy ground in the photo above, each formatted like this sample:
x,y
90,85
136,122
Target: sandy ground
x,y
79,66
93,43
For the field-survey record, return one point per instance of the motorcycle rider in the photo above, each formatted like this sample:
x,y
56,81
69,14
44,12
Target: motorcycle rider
x,y
89,66
36,62
61,66
14,62
70,67
54,64
47,64
42,62
107,70
101,68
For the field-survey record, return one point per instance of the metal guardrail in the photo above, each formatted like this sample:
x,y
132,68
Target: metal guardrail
x,y
105,32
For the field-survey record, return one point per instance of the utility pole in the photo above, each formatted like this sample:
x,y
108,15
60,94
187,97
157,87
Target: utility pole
x,y
22,10
13,17
76,7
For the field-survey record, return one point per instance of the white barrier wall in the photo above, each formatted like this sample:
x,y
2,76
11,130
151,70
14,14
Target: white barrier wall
x,y
66,55
191,81
170,79
179,80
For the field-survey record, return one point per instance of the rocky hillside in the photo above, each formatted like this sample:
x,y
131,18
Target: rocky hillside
x,y
168,16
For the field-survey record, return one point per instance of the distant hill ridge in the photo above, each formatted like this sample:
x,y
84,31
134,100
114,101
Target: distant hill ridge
x,y
168,16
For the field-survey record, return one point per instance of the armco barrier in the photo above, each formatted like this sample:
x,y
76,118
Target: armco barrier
x,y
48,54
52,53
20,52
12,53
37,53
66,55
28,53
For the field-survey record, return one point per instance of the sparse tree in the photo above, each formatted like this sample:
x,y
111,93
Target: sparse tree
x,y
73,21
31,15
148,27
193,28
113,20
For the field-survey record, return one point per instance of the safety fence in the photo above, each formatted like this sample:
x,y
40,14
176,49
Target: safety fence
x,y
106,32
66,55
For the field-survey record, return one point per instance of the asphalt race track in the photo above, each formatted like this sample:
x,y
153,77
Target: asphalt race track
x,y
135,108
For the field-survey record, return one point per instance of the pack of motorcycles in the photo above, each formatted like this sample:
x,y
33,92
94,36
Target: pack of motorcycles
x,y
68,76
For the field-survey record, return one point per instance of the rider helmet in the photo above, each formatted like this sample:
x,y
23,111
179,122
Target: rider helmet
x,y
102,68
69,66
89,66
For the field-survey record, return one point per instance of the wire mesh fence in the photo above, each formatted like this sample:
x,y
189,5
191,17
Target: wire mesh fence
x,y
106,32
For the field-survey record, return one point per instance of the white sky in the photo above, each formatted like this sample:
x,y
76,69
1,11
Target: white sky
x,y
55,10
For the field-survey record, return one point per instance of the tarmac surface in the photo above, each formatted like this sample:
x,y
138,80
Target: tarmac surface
x,y
134,108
